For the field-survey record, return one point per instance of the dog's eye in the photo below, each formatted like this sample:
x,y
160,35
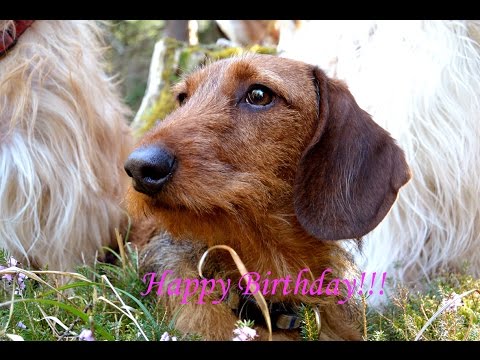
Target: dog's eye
x,y
259,95
181,98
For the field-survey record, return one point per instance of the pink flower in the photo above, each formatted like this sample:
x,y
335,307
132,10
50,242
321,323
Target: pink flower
x,y
457,302
19,276
166,337
20,280
8,277
86,335
21,325
244,333
12,262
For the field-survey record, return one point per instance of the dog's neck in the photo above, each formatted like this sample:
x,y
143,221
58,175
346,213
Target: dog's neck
x,y
272,243
280,245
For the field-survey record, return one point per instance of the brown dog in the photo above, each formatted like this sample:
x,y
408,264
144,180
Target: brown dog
x,y
272,158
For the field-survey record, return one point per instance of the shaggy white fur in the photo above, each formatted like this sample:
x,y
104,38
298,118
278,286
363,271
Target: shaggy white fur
x,y
421,81
63,141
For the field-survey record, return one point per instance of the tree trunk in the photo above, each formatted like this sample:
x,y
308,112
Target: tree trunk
x,y
176,29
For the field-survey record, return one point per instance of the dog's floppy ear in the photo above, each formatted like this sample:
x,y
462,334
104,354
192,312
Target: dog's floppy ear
x,y
349,175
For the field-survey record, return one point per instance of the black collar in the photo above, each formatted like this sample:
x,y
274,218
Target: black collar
x,y
282,315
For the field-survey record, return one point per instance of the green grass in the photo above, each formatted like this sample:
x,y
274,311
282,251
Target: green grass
x,y
408,312
106,299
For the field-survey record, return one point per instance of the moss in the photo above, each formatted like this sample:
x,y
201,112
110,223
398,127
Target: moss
x,y
162,107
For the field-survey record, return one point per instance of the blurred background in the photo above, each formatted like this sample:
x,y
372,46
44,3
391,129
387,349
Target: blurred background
x,y
132,43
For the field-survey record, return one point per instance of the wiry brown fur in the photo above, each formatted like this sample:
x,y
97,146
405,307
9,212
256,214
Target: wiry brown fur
x,y
269,182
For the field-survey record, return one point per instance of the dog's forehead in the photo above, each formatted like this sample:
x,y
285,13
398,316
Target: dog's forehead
x,y
252,64
246,67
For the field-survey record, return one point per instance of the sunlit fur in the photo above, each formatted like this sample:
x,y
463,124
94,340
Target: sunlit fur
x,y
63,141
421,81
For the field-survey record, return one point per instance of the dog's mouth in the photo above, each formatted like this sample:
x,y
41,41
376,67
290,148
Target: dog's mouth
x,y
163,201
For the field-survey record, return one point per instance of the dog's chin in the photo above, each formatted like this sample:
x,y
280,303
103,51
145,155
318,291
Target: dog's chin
x,y
206,224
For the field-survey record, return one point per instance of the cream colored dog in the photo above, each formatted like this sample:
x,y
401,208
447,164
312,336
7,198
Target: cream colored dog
x,y
63,141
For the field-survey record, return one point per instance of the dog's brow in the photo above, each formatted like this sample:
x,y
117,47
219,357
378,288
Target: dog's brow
x,y
275,82
179,88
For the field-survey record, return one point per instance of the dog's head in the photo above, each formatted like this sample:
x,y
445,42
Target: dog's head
x,y
261,135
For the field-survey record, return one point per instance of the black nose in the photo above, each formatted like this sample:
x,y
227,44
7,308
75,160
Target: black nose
x,y
150,167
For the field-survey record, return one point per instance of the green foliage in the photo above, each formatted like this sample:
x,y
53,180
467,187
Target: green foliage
x,y
309,326
130,32
407,312
104,298
131,46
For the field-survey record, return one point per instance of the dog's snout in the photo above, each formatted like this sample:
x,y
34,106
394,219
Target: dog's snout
x,y
150,168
